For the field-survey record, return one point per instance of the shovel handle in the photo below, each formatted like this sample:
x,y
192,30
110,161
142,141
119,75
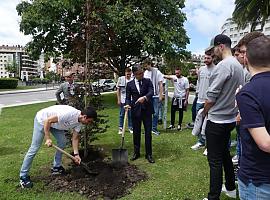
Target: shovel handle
x,y
64,152
124,126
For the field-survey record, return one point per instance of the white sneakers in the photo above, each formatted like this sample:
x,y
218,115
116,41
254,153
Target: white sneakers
x,y
231,194
197,146
120,131
205,152
235,160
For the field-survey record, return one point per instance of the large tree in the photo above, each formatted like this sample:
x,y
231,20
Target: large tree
x,y
251,11
120,30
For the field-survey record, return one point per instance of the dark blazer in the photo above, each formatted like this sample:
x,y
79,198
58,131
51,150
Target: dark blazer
x,y
132,95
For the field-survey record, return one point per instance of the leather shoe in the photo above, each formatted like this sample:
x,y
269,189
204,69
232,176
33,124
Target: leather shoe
x,y
150,159
135,156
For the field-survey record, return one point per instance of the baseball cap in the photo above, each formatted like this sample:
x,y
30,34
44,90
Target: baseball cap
x,y
219,39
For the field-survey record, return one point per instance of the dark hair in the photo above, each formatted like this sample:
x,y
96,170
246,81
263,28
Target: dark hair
x,y
177,69
128,70
90,112
248,37
136,68
258,52
148,61
209,53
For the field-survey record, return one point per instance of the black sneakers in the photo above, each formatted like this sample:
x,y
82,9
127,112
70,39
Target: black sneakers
x,y
25,182
58,170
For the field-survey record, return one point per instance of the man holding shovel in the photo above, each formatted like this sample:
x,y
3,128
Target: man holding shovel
x,y
55,119
139,95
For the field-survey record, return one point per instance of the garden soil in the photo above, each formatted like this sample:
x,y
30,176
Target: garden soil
x,y
111,182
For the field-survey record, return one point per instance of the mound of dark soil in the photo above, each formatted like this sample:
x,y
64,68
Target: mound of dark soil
x,y
111,182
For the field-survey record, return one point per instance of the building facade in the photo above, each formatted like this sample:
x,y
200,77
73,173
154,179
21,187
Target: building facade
x,y
231,29
17,57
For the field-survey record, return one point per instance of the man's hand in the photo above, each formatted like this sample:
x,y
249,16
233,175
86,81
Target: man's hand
x,y
185,103
140,100
127,107
77,159
161,98
48,142
238,119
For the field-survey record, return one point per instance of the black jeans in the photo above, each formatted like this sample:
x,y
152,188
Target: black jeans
x,y
218,154
175,108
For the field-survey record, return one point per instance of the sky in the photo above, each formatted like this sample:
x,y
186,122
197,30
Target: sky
x,y
204,20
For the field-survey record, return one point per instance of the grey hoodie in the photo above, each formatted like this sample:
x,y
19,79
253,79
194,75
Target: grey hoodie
x,y
226,77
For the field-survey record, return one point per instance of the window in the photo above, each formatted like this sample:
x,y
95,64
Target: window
x,y
231,29
241,34
267,28
231,36
235,35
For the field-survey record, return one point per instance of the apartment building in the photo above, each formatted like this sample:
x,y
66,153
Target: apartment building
x,y
231,29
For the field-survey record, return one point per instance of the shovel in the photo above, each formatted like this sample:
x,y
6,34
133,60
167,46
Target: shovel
x,y
120,156
84,165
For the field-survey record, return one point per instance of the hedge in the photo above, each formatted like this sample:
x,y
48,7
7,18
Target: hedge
x,y
8,83
40,81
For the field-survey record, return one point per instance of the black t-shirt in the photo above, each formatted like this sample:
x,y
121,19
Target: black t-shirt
x,y
254,104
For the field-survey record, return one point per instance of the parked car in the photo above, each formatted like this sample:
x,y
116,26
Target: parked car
x,y
104,85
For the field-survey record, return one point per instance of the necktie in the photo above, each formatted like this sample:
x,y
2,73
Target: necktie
x,y
140,85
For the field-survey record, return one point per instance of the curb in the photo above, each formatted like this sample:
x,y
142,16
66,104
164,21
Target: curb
x,y
26,91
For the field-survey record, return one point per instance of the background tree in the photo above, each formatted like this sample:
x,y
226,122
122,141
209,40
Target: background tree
x,y
12,68
252,11
124,29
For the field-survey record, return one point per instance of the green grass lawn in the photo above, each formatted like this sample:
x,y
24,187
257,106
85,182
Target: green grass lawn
x,y
179,172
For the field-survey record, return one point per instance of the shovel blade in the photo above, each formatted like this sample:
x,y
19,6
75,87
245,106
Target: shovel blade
x,y
120,156
89,171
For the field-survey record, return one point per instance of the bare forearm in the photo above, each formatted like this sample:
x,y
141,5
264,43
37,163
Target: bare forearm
x,y
47,126
75,143
207,106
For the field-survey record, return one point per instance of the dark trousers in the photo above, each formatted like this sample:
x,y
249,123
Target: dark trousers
x,y
146,118
193,109
217,140
175,108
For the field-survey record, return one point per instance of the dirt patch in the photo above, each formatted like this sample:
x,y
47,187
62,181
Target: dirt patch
x,y
111,182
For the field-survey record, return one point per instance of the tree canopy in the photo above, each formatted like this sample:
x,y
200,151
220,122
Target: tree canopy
x,y
120,30
253,12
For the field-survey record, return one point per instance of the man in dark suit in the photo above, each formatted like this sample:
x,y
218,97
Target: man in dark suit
x,y
141,91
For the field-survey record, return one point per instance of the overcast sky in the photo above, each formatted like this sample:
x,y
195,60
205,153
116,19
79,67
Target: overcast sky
x,y
204,20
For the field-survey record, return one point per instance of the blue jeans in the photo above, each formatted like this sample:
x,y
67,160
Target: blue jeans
x,y
251,192
201,138
38,135
155,115
160,111
122,115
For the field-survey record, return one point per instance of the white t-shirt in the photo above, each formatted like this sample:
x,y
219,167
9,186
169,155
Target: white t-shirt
x,y
67,117
122,84
148,74
180,86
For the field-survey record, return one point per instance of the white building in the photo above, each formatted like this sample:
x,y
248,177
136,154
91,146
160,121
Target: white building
x,y
5,59
10,55
231,29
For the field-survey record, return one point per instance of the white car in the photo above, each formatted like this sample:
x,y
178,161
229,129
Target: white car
x,y
104,85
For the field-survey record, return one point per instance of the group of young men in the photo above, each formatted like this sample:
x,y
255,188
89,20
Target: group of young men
x,y
142,89
242,78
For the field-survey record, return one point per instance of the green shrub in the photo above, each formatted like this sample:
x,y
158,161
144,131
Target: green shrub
x,y
8,83
39,80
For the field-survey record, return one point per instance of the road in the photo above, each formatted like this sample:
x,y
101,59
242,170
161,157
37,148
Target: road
x,y
16,99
